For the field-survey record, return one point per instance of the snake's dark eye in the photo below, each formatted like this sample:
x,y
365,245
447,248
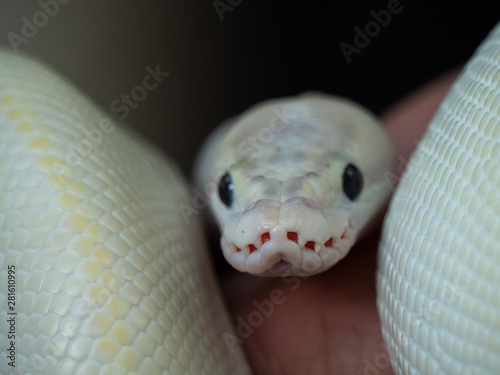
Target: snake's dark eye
x,y
352,182
226,188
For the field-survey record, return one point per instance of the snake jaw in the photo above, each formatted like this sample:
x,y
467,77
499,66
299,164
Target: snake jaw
x,y
286,252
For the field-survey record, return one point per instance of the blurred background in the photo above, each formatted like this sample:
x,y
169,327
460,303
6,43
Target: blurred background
x,y
223,56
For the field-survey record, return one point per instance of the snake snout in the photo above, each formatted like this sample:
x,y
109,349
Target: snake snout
x,y
284,238
283,252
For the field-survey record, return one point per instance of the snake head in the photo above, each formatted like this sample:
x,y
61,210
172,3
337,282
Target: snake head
x,y
285,228
295,202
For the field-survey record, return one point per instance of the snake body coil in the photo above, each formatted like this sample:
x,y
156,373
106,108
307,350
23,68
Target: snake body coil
x,y
109,278
439,259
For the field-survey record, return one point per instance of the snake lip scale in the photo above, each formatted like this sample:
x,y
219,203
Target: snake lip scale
x,y
281,251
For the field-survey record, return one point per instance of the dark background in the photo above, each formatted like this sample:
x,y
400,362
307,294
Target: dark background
x,y
259,50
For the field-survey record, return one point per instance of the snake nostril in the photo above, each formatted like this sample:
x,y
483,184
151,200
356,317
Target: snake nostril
x,y
252,248
265,237
329,243
310,245
293,236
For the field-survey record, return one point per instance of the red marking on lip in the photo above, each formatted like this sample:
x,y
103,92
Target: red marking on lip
x,y
237,249
293,236
309,245
252,248
329,243
265,237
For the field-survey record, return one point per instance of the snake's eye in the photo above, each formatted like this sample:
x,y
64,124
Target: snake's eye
x,y
226,187
352,182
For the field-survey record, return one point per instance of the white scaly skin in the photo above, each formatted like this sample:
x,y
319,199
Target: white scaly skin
x,y
439,261
286,157
109,278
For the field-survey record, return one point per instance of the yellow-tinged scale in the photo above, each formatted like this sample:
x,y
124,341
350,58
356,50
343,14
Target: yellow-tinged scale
x,y
90,210
113,369
68,201
76,223
94,293
15,114
49,161
24,127
59,181
83,246
109,280
7,100
103,255
42,143
129,358
101,321
77,187
106,349
123,332
117,306
95,232
79,348
91,269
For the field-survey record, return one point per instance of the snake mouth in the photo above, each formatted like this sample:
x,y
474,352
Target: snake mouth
x,y
283,252
292,236
270,234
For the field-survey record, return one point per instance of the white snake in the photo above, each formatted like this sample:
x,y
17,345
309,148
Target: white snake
x,y
108,277
294,181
